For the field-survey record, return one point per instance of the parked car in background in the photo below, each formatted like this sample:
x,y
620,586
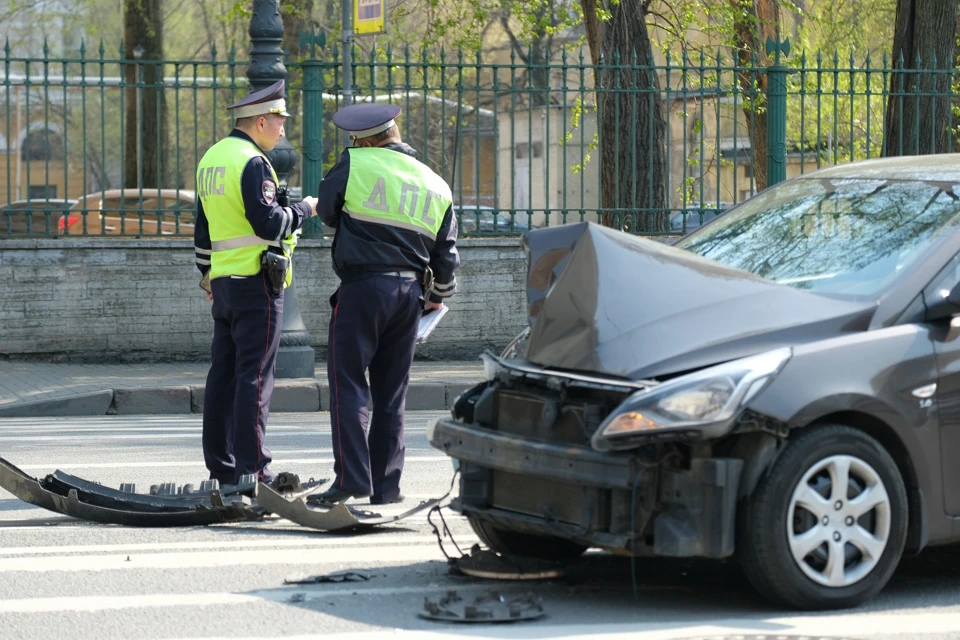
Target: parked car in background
x,y
134,212
680,222
781,386
483,220
37,217
686,220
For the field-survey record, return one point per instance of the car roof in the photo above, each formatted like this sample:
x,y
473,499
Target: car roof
x,y
36,201
183,195
943,167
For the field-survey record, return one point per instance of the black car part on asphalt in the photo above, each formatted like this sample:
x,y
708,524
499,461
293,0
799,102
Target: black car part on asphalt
x,y
483,563
166,505
490,606
339,517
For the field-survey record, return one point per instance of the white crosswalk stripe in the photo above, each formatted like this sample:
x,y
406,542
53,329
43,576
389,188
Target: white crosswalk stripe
x,y
195,463
206,559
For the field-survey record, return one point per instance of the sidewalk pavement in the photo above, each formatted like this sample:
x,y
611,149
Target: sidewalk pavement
x,y
43,389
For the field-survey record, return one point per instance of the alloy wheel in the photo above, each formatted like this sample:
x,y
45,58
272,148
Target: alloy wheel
x,y
838,523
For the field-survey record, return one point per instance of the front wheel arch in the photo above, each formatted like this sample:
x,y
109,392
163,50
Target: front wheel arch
x,y
766,559
873,427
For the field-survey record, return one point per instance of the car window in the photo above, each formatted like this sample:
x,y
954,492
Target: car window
x,y
945,281
35,218
846,236
131,213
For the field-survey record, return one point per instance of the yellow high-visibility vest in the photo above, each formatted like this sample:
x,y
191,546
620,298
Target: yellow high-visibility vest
x,y
391,188
235,247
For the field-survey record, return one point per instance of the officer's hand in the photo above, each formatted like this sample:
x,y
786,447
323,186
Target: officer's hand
x,y
209,296
313,204
430,306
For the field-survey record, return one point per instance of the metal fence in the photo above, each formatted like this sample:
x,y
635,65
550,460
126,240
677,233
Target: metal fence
x,y
522,145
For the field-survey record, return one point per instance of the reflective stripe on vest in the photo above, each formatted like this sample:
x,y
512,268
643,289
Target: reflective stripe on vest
x,y
242,241
235,246
393,189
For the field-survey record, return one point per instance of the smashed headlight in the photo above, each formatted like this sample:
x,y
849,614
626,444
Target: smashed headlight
x,y
705,401
517,346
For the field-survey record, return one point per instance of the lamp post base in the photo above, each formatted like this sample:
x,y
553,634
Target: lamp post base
x,y
295,357
295,362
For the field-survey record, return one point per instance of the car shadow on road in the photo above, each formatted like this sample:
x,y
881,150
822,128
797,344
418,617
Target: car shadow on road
x,y
601,588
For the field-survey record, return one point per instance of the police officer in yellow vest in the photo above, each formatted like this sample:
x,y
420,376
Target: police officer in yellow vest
x,y
244,241
394,226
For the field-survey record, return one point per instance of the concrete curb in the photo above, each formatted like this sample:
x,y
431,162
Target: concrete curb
x,y
96,403
289,396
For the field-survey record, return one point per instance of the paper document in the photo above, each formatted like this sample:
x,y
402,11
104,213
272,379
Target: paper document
x,y
429,322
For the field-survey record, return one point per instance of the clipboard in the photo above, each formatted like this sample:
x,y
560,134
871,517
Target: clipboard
x,y
429,322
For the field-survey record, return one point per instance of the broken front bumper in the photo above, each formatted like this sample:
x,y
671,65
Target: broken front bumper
x,y
171,506
62,493
611,500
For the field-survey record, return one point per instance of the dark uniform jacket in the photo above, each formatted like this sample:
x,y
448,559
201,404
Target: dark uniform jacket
x,y
270,221
362,248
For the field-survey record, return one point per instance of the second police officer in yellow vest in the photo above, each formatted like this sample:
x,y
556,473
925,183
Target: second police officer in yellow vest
x,y
395,254
244,238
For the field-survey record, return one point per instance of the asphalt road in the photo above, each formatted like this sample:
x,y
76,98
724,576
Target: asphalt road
x,y
61,578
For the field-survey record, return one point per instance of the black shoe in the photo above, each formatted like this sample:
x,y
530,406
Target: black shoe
x,y
332,496
394,500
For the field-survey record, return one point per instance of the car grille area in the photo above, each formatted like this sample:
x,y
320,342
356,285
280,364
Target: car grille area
x,y
539,497
540,418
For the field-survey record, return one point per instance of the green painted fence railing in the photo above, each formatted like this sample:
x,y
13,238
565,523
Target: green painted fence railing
x,y
102,146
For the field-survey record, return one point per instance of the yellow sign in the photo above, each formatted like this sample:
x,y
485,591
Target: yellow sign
x,y
369,16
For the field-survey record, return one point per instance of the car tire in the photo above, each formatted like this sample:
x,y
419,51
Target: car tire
x,y
774,524
531,545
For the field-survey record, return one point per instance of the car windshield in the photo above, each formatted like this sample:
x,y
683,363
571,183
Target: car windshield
x,y
831,235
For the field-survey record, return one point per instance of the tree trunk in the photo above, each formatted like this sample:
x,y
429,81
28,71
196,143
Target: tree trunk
x,y
919,124
751,32
596,30
145,118
535,53
632,126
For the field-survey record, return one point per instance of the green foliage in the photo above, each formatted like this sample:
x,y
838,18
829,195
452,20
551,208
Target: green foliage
x,y
838,115
536,19
239,10
866,26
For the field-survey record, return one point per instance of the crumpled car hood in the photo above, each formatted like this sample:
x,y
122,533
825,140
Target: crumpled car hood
x,y
604,301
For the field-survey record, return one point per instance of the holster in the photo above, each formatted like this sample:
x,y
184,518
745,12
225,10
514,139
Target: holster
x,y
427,282
275,265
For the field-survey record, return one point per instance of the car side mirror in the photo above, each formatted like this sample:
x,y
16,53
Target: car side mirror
x,y
944,304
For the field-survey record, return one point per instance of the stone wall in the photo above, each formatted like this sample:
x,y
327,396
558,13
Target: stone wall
x,y
113,300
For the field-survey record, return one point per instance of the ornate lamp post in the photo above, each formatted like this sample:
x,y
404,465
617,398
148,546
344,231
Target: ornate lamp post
x,y
296,357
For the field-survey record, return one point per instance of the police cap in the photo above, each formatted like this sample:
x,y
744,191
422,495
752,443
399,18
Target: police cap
x,y
366,119
260,103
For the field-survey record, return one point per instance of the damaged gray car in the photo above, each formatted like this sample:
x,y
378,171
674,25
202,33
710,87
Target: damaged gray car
x,y
781,387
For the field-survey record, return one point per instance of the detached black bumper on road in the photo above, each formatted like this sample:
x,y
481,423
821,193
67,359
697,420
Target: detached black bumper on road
x,y
78,498
612,500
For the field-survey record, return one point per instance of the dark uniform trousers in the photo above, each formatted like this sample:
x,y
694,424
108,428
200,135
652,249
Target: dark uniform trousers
x,y
374,325
236,402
